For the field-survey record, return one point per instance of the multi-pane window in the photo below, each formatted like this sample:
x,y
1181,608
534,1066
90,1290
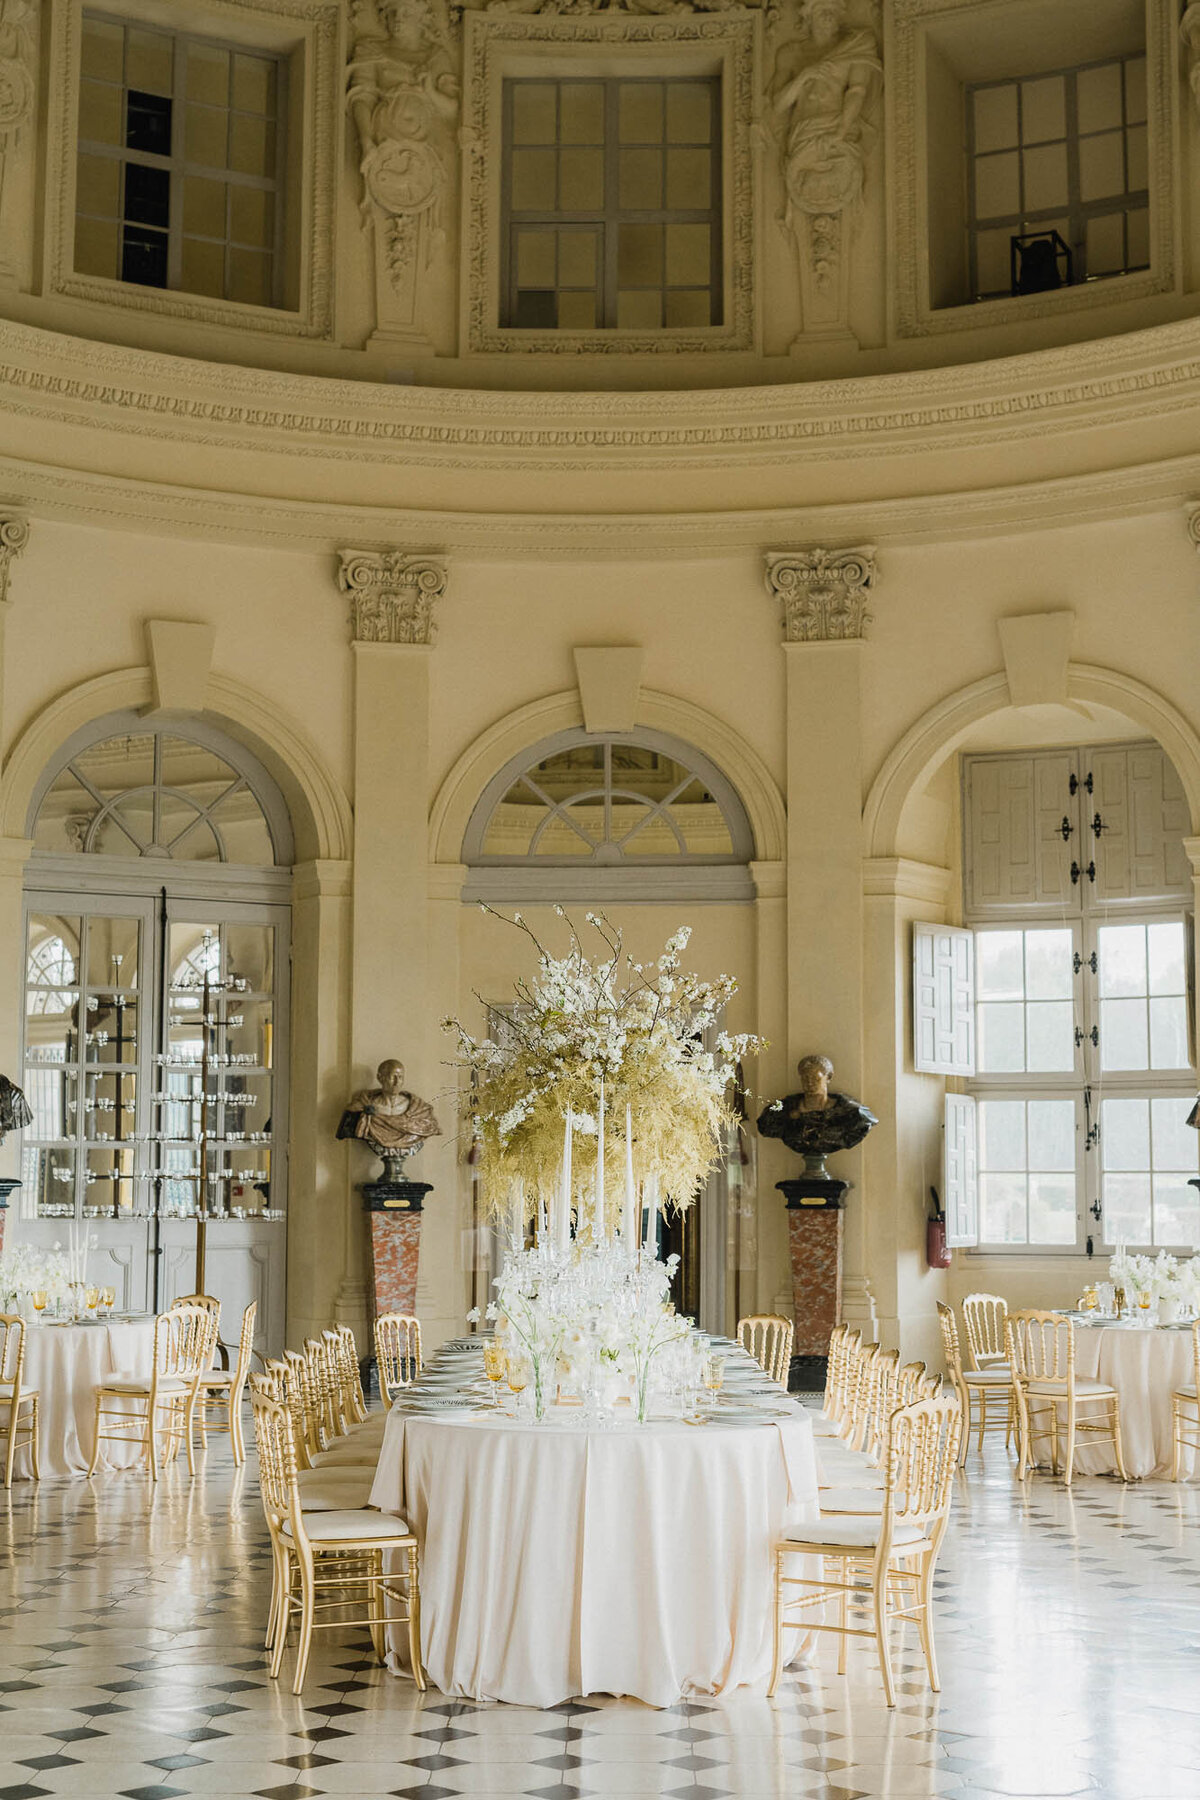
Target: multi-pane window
x,y
1065,152
178,179
612,205
1027,1171
1068,1002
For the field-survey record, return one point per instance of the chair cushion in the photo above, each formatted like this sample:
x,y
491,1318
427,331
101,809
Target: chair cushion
x,y
850,1500
1084,1384
328,1493
344,1526
852,1534
6,1391
218,1378
140,1384
997,1378
347,1457
1184,1393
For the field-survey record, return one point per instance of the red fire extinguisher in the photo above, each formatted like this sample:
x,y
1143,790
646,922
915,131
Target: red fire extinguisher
x,y
937,1255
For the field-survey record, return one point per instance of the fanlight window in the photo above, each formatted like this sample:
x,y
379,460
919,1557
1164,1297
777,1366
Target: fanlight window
x,y
609,803
52,969
153,794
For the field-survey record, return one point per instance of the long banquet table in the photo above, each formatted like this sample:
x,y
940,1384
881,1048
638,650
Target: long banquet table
x,y
66,1363
1144,1366
558,1560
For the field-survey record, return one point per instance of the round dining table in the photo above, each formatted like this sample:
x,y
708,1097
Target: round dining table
x,y
560,1559
1144,1364
66,1364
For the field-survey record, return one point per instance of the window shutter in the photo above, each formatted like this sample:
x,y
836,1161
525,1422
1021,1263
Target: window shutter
x,y
960,1172
1143,815
943,1000
1014,811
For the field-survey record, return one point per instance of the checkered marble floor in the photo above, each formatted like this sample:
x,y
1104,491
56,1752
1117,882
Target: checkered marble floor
x,y
130,1665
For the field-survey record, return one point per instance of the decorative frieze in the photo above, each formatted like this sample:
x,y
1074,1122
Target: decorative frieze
x,y
392,595
17,34
14,535
823,593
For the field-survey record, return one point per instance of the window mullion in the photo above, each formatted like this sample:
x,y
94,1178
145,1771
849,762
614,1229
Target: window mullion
x,y
175,214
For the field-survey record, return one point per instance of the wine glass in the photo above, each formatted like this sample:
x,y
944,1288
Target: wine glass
x,y
714,1375
494,1361
38,1297
518,1378
108,1298
91,1299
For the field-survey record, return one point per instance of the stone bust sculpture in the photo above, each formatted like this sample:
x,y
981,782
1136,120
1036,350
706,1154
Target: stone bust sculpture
x,y
15,1111
389,1120
816,1121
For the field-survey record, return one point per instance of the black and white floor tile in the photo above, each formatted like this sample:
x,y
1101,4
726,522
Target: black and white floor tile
x,y
131,1666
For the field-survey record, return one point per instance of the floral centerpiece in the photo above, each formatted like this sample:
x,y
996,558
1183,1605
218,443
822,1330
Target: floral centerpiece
x,y
601,1065
1171,1283
608,1078
27,1269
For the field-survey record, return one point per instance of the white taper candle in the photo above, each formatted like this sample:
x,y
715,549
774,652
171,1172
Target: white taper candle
x,y
562,1225
598,1224
629,1232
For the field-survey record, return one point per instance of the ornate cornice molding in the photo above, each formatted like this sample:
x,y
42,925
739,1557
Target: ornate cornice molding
x,y
14,535
115,389
823,593
392,595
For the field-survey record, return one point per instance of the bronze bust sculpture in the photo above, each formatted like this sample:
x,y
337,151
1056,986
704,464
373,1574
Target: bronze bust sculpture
x,y
389,1120
816,1122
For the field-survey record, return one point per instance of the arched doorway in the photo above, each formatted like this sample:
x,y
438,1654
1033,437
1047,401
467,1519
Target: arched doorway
x,y
157,930
625,823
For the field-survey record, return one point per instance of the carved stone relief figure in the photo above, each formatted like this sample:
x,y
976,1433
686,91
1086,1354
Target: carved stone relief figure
x,y
18,25
403,96
824,93
1189,31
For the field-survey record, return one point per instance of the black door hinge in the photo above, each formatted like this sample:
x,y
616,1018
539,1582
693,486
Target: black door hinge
x,y
1098,825
1091,962
1066,828
1086,783
1089,869
1093,1035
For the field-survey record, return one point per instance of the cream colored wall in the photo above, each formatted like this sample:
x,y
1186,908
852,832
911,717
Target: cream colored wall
x,y
811,972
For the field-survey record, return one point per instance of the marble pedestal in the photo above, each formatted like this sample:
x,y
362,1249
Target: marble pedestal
x,y
815,1232
396,1210
8,1185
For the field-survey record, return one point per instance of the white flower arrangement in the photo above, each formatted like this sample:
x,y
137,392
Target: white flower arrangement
x,y
634,1031
27,1269
1157,1278
590,1314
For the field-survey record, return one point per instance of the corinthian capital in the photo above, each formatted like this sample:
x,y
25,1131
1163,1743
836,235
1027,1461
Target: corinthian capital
x,y
823,593
392,593
14,535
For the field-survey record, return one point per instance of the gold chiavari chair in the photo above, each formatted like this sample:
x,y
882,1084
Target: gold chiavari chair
x,y
862,1379
1185,1412
910,1383
397,1352
768,1339
355,1399
1041,1354
891,1556
221,1390
983,1317
320,1558
18,1403
158,1411
881,1393
986,1394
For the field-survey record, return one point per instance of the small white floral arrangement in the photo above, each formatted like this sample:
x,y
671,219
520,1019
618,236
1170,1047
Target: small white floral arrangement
x,y
27,1269
1157,1278
590,1315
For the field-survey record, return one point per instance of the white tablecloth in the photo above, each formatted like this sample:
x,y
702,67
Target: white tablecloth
x,y
66,1363
1144,1367
558,1561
